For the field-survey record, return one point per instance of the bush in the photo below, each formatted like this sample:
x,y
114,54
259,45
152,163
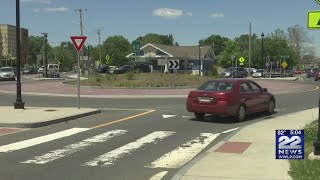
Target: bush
x,y
130,75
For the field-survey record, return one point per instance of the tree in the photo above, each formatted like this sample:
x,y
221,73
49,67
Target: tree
x,y
117,47
298,39
35,47
156,39
217,40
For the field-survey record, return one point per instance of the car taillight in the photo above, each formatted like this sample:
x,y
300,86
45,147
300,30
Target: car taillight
x,y
224,97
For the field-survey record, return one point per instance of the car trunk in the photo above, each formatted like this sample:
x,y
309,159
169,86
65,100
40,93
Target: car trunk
x,y
209,97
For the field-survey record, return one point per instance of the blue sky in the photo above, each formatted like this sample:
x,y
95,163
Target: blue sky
x,y
188,20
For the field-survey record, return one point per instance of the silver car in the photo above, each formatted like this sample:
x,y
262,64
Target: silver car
x,y
7,73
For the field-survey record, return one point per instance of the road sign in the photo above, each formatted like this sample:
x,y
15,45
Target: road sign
x,y
173,64
78,41
267,64
318,1
284,65
135,46
314,20
107,59
241,60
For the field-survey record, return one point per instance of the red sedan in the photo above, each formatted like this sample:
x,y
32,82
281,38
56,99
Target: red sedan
x,y
297,71
317,75
230,97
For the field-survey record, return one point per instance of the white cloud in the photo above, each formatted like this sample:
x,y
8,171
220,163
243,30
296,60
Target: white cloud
x,y
37,1
36,10
216,15
58,9
169,13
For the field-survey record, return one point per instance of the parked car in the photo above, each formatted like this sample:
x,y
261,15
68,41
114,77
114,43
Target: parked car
x,y
142,68
52,70
311,72
230,97
297,71
317,75
40,70
258,73
29,70
288,73
277,72
104,69
7,73
122,69
235,72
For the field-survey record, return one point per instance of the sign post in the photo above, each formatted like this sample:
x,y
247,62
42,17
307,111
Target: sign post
x,y
78,42
314,23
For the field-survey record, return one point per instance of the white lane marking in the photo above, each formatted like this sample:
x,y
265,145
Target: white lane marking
x,y
230,130
112,156
72,148
168,116
280,109
184,153
159,176
186,116
40,140
119,109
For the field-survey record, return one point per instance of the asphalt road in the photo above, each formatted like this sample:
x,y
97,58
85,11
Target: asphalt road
x,y
142,146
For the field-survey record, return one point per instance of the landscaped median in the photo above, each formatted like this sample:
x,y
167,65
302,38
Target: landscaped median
x,y
306,169
143,80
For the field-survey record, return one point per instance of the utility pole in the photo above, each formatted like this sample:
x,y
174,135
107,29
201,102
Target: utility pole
x,y
250,48
99,32
45,36
80,12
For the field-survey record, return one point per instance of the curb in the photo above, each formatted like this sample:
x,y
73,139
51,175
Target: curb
x,y
190,164
52,121
103,87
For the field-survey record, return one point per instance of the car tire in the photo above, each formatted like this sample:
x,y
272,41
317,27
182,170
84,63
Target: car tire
x,y
241,113
199,115
271,106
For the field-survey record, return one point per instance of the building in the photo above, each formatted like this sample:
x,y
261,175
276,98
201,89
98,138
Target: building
x,y
188,56
8,44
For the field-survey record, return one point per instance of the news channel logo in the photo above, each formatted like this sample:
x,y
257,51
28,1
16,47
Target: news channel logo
x,y
289,144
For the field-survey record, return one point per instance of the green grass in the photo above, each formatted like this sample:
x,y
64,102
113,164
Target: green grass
x,y
306,169
144,80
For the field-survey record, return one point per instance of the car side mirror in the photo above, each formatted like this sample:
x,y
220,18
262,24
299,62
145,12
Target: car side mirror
x,y
264,90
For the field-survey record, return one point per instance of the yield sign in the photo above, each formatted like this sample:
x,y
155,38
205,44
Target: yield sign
x,y
78,41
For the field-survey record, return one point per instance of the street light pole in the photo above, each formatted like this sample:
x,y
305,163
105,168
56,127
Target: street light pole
x,y
18,104
262,35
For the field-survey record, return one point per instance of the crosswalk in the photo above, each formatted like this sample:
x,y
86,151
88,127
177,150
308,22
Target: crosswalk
x,y
175,158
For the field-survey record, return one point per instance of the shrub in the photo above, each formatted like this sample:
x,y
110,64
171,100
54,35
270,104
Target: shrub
x,y
130,75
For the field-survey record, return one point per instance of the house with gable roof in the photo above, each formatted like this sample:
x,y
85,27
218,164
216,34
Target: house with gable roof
x,y
158,56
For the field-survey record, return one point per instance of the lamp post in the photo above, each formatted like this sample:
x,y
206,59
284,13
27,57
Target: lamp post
x,y
262,36
18,104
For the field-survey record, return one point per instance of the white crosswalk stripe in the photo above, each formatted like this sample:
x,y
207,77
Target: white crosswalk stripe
x,y
72,148
111,157
40,140
184,153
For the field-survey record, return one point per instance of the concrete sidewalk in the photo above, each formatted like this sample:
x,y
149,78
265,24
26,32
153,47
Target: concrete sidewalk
x,y
249,153
37,116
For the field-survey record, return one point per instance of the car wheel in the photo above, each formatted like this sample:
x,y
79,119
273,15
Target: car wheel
x,y
199,115
271,106
241,113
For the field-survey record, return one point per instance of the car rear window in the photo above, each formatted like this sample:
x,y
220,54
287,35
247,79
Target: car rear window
x,y
216,86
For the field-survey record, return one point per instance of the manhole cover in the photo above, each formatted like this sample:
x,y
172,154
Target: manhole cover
x,y
51,110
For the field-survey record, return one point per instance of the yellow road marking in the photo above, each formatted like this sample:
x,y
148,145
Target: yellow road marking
x,y
123,119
